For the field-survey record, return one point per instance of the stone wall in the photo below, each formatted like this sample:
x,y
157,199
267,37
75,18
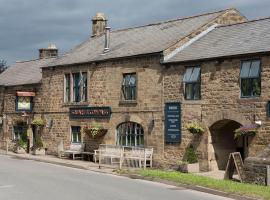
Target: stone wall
x,y
220,100
104,89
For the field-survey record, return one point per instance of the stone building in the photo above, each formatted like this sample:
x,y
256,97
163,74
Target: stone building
x,y
222,81
126,81
21,95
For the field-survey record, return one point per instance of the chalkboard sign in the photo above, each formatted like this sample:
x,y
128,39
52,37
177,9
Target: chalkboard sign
x,y
235,162
173,122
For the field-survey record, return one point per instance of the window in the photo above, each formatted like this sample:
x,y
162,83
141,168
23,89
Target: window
x,y
130,134
67,88
129,87
78,83
192,80
19,132
76,134
250,78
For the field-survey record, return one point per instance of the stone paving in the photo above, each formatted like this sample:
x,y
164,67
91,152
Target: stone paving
x,y
81,164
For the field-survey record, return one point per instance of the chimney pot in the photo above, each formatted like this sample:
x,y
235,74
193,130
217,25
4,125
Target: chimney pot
x,y
49,52
99,22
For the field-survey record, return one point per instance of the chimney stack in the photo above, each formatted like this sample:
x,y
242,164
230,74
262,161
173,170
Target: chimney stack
x,y
107,39
99,22
49,52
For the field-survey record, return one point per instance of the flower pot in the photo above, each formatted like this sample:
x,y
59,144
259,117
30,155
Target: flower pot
x,y
189,168
98,133
20,150
39,152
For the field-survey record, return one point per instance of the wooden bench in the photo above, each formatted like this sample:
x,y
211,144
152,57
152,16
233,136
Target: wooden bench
x,y
123,154
143,156
75,149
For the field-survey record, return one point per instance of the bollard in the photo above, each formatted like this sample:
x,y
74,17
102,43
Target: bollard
x,y
268,175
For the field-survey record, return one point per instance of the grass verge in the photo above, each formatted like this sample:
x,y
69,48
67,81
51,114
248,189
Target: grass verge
x,y
250,190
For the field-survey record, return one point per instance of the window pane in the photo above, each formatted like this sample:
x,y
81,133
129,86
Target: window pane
x,y
197,91
187,74
130,134
75,134
67,83
245,68
76,87
195,76
256,87
84,87
129,87
255,69
188,91
245,87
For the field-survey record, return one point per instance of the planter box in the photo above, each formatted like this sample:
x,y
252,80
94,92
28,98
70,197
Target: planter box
x,y
39,152
189,168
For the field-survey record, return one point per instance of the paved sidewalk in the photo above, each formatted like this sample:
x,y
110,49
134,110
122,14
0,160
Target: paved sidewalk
x,y
87,165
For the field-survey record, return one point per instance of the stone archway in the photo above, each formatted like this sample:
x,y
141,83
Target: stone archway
x,y
223,141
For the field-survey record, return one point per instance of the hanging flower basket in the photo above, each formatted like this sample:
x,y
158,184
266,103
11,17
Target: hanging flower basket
x,y
246,130
195,128
95,132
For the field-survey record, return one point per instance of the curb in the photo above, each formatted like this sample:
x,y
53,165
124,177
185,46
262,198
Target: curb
x,y
192,187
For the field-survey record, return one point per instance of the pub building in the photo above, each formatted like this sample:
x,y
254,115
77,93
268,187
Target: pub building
x,y
142,86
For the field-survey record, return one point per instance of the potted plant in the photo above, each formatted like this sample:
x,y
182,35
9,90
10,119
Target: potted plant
x,y
190,162
195,128
246,130
95,130
20,146
39,147
38,122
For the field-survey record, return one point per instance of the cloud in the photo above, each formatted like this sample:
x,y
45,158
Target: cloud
x,y
32,24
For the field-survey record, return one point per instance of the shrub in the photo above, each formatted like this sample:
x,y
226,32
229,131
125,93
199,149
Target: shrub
x,y
190,155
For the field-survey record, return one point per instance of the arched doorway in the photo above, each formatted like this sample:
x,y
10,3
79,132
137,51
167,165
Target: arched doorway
x,y
130,134
224,142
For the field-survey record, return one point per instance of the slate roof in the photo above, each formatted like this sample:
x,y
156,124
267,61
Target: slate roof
x,y
152,38
25,72
229,40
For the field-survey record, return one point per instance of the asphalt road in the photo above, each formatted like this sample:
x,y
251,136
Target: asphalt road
x,y
31,180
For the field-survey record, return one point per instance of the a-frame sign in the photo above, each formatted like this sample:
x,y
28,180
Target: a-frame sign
x,y
235,162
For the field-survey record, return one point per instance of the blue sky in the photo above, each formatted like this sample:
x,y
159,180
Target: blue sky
x,y
29,25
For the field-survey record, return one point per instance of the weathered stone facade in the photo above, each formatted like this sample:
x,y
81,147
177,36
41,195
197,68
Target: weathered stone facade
x,y
157,84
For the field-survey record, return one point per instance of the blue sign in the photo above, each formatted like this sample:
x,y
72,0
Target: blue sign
x,y
173,122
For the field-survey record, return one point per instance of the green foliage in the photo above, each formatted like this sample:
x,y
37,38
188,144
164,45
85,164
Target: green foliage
x,y
190,155
246,130
94,129
195,128
38,122
39,143
21,144
257,191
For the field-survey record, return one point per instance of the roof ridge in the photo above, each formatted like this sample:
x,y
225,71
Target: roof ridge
x,y
246,22
36,59
173,20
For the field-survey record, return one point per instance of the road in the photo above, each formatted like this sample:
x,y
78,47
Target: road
x,y
31,180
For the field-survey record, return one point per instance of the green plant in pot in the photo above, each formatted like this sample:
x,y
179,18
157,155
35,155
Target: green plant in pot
x,y
190,162
39,147
95,131
195,128
38,122
21,146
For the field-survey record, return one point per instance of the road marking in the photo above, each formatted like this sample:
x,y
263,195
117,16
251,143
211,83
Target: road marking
x,y
6,186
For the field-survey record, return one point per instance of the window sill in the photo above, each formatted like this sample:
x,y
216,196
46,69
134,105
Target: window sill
x,y
191,101
75,104
255,99
129,102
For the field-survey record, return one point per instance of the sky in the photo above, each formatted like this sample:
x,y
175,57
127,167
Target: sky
x,y
28,25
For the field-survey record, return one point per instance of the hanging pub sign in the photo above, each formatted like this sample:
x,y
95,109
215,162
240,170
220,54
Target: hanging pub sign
x,y
24,101
90,112
173,122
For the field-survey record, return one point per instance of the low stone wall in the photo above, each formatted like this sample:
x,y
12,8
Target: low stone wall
x,y
256,170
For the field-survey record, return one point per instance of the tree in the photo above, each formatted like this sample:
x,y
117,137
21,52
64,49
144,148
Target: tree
x,y
3,65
